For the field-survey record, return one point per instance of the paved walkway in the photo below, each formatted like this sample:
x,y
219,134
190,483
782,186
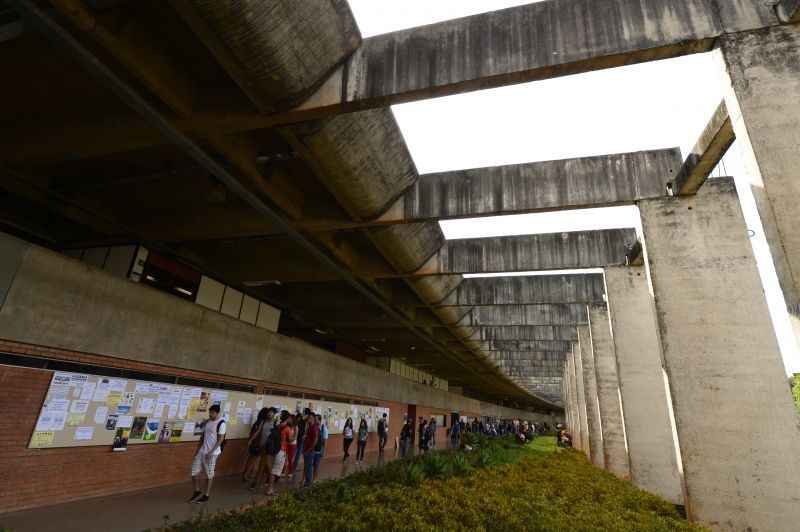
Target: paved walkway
x,y
151,508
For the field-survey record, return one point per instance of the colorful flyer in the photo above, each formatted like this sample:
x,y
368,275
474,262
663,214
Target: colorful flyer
x,y
111,422
177,431
121,440
166,432
151,431
100,415
138,428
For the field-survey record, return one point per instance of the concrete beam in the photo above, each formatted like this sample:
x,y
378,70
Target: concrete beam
x,y
580,394
726,373
578,288
527,333
712,145
562,346
521,315
529,42
556,251
542,186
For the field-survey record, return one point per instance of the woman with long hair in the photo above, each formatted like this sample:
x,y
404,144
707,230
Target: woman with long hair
x,y
363,430
253,447
290,422
347,437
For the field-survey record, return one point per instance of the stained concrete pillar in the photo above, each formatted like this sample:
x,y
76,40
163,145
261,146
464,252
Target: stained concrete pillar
x,y
582,414
572,403
590,391
649,425
762,90
738,432
615,446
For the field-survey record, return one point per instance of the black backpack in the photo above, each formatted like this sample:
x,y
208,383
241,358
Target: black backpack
x,y
274,441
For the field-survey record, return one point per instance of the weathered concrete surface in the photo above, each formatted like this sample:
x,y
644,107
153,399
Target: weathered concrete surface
x,y
576,426
738,432
535,345
789,10
527,333
615,444
520,315
551,185
579,288
537,41
593,419
361,158
645,396
60,302
580,249
764,74
581,400
708,151
278,50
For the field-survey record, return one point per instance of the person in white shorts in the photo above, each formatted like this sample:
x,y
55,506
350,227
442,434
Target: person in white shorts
x,y
208,451
280,457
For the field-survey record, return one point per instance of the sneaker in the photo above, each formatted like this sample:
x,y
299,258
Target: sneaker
x,y
195,495
202,499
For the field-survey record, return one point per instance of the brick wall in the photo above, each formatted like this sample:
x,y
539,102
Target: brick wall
x,y
40,477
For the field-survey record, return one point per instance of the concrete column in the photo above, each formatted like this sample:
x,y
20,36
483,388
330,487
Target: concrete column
x,y
649,426
582,414
762,90
605,363
738,431
572,394
590,391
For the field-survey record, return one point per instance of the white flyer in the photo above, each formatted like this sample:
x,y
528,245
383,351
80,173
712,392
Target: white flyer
x,y
100,415
84,433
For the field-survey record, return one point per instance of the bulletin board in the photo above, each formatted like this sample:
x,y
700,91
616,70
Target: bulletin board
x,y
82,410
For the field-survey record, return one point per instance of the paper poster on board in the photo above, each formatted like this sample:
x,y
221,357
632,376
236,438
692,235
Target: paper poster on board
x,y
121,440
138,428
151,431
166,432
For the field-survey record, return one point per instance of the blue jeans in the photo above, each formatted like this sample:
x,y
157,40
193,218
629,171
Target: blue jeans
x,y
308,464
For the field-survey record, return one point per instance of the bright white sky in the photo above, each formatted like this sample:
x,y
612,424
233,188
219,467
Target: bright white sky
x,y
650,106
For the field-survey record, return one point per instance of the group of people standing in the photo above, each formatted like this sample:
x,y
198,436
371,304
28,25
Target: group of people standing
x,y
278,443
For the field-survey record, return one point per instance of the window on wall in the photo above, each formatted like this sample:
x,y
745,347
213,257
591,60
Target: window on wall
x,y
170,276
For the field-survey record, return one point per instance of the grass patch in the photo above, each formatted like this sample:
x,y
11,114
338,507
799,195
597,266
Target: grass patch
x,y
498,486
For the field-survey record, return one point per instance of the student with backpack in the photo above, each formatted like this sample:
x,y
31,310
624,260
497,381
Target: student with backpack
x,y
281,431
269,443
301,430
383,433
208,450
253,448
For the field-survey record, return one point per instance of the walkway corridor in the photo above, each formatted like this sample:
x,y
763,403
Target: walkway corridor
x,y
137,511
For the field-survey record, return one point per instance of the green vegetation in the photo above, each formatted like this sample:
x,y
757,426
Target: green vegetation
x,y
796,390
497,486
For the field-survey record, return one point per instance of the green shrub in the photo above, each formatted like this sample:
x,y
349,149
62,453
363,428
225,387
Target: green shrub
x,y
796,390
539,489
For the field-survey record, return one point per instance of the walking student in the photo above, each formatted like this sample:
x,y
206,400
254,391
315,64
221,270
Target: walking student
x,y
347,437
406,435
301,431
383,433
208,451
319,450
310,440
363,431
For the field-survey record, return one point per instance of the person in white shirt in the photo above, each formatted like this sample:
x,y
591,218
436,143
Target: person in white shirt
x,y
208,451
